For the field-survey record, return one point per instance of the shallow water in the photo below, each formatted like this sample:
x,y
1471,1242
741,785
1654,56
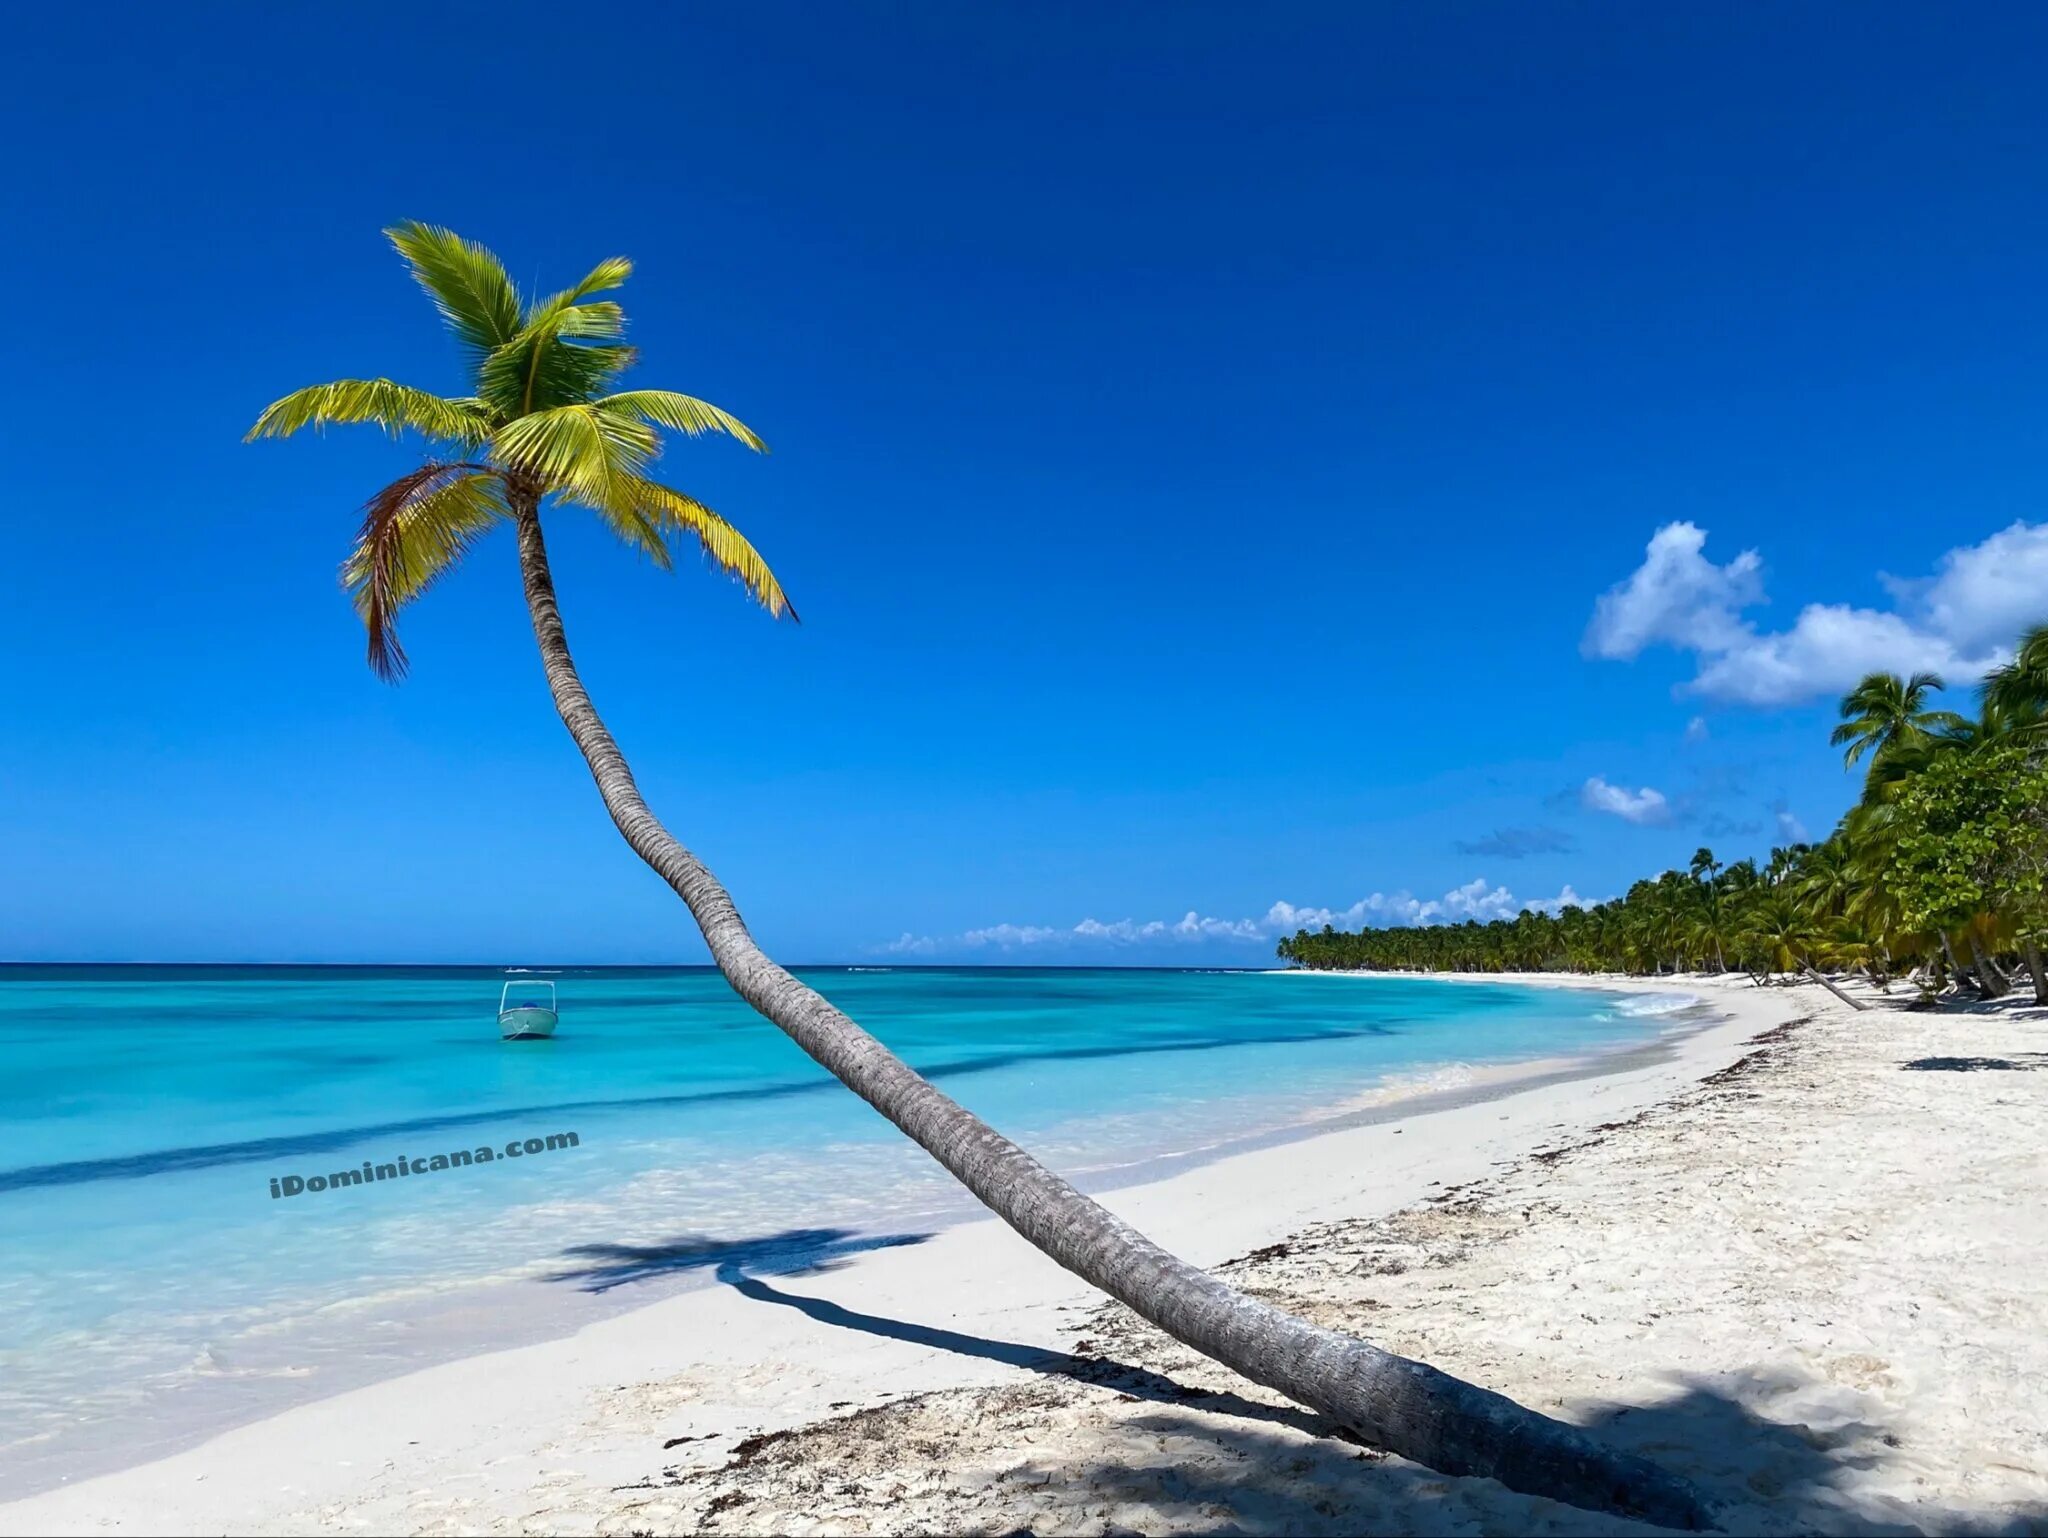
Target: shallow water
x,y
146,1111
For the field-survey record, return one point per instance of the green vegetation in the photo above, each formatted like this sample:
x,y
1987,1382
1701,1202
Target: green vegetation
x,y
1939,873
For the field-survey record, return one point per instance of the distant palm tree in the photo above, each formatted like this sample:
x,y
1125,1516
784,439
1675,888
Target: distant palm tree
x,y
1706,871
1784,935
1886,711
1994,727
544,421
2018,690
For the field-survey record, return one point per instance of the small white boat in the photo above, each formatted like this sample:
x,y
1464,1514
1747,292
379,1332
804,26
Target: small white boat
x,y
528,1014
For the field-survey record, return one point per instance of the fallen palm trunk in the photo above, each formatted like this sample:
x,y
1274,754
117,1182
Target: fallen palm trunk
x,y
1828,984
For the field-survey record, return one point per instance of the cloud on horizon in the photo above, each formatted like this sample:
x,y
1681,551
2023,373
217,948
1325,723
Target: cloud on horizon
x,y
1477,899
1955,622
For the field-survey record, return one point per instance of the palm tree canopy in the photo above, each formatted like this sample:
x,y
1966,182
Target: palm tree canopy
x,y
2018,690
545,419
1886,711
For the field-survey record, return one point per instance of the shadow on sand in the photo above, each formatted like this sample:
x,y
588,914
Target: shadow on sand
x,y
2020,1063
793,1252
1215,1461
1137,1382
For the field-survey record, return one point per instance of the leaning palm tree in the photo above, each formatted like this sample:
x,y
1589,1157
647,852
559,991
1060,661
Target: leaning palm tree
x,y
1886,711
1784,935
543,429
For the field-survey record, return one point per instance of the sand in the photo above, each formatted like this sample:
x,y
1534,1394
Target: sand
x,y
1800,1259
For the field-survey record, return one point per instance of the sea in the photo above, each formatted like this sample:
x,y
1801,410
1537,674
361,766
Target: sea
x,y
196,1233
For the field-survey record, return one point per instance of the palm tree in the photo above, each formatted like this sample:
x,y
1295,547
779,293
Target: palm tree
x,y
1785,937
1995,727
1886,711
544,426
1706,871
2018,690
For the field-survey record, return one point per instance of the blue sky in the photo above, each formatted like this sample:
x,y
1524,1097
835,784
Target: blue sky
x,y
1203,440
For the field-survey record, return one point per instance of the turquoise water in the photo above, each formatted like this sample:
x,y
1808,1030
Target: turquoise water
x,y
155,1285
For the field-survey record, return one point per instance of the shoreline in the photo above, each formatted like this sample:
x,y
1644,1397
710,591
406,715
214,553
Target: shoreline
x,y
756,1370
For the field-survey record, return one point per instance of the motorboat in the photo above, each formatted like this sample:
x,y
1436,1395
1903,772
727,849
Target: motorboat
x,y
526,1011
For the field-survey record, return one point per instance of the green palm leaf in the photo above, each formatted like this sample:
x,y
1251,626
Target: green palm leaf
x,y
539,369
681,413
578,450
466,282
393,407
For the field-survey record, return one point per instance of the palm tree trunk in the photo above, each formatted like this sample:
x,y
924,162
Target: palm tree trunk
x,y
1990,982
1406,1407
1987,969
2033,949
1955,967
1807,968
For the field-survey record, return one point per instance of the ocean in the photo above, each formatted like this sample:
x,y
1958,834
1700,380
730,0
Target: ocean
x,y
165,1278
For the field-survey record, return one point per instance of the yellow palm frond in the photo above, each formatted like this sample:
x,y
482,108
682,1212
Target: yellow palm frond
x,y
674,514
393,407
636,530
680,413
414,532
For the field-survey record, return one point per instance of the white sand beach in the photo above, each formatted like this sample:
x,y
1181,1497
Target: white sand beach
x,y
1797,1259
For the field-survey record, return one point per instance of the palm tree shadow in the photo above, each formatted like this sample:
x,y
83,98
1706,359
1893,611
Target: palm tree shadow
x,y
1231,1453
1135,1382
1762,1476
792,1252
1805,1475
2019,1062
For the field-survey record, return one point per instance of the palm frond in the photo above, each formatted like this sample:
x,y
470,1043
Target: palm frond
x,y
578,450
467,283
674,513
414,531
540,368
601,320
681,413
393,407
551,359
636,530
608,274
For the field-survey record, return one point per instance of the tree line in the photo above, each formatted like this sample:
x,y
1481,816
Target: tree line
x,y
1939,873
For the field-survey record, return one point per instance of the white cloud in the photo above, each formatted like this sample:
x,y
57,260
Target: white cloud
x,y
1984,595
1565,899
1826,651
1952,623
1009,936
1790,828
1677,597
1477,899
1643,807
1696,729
